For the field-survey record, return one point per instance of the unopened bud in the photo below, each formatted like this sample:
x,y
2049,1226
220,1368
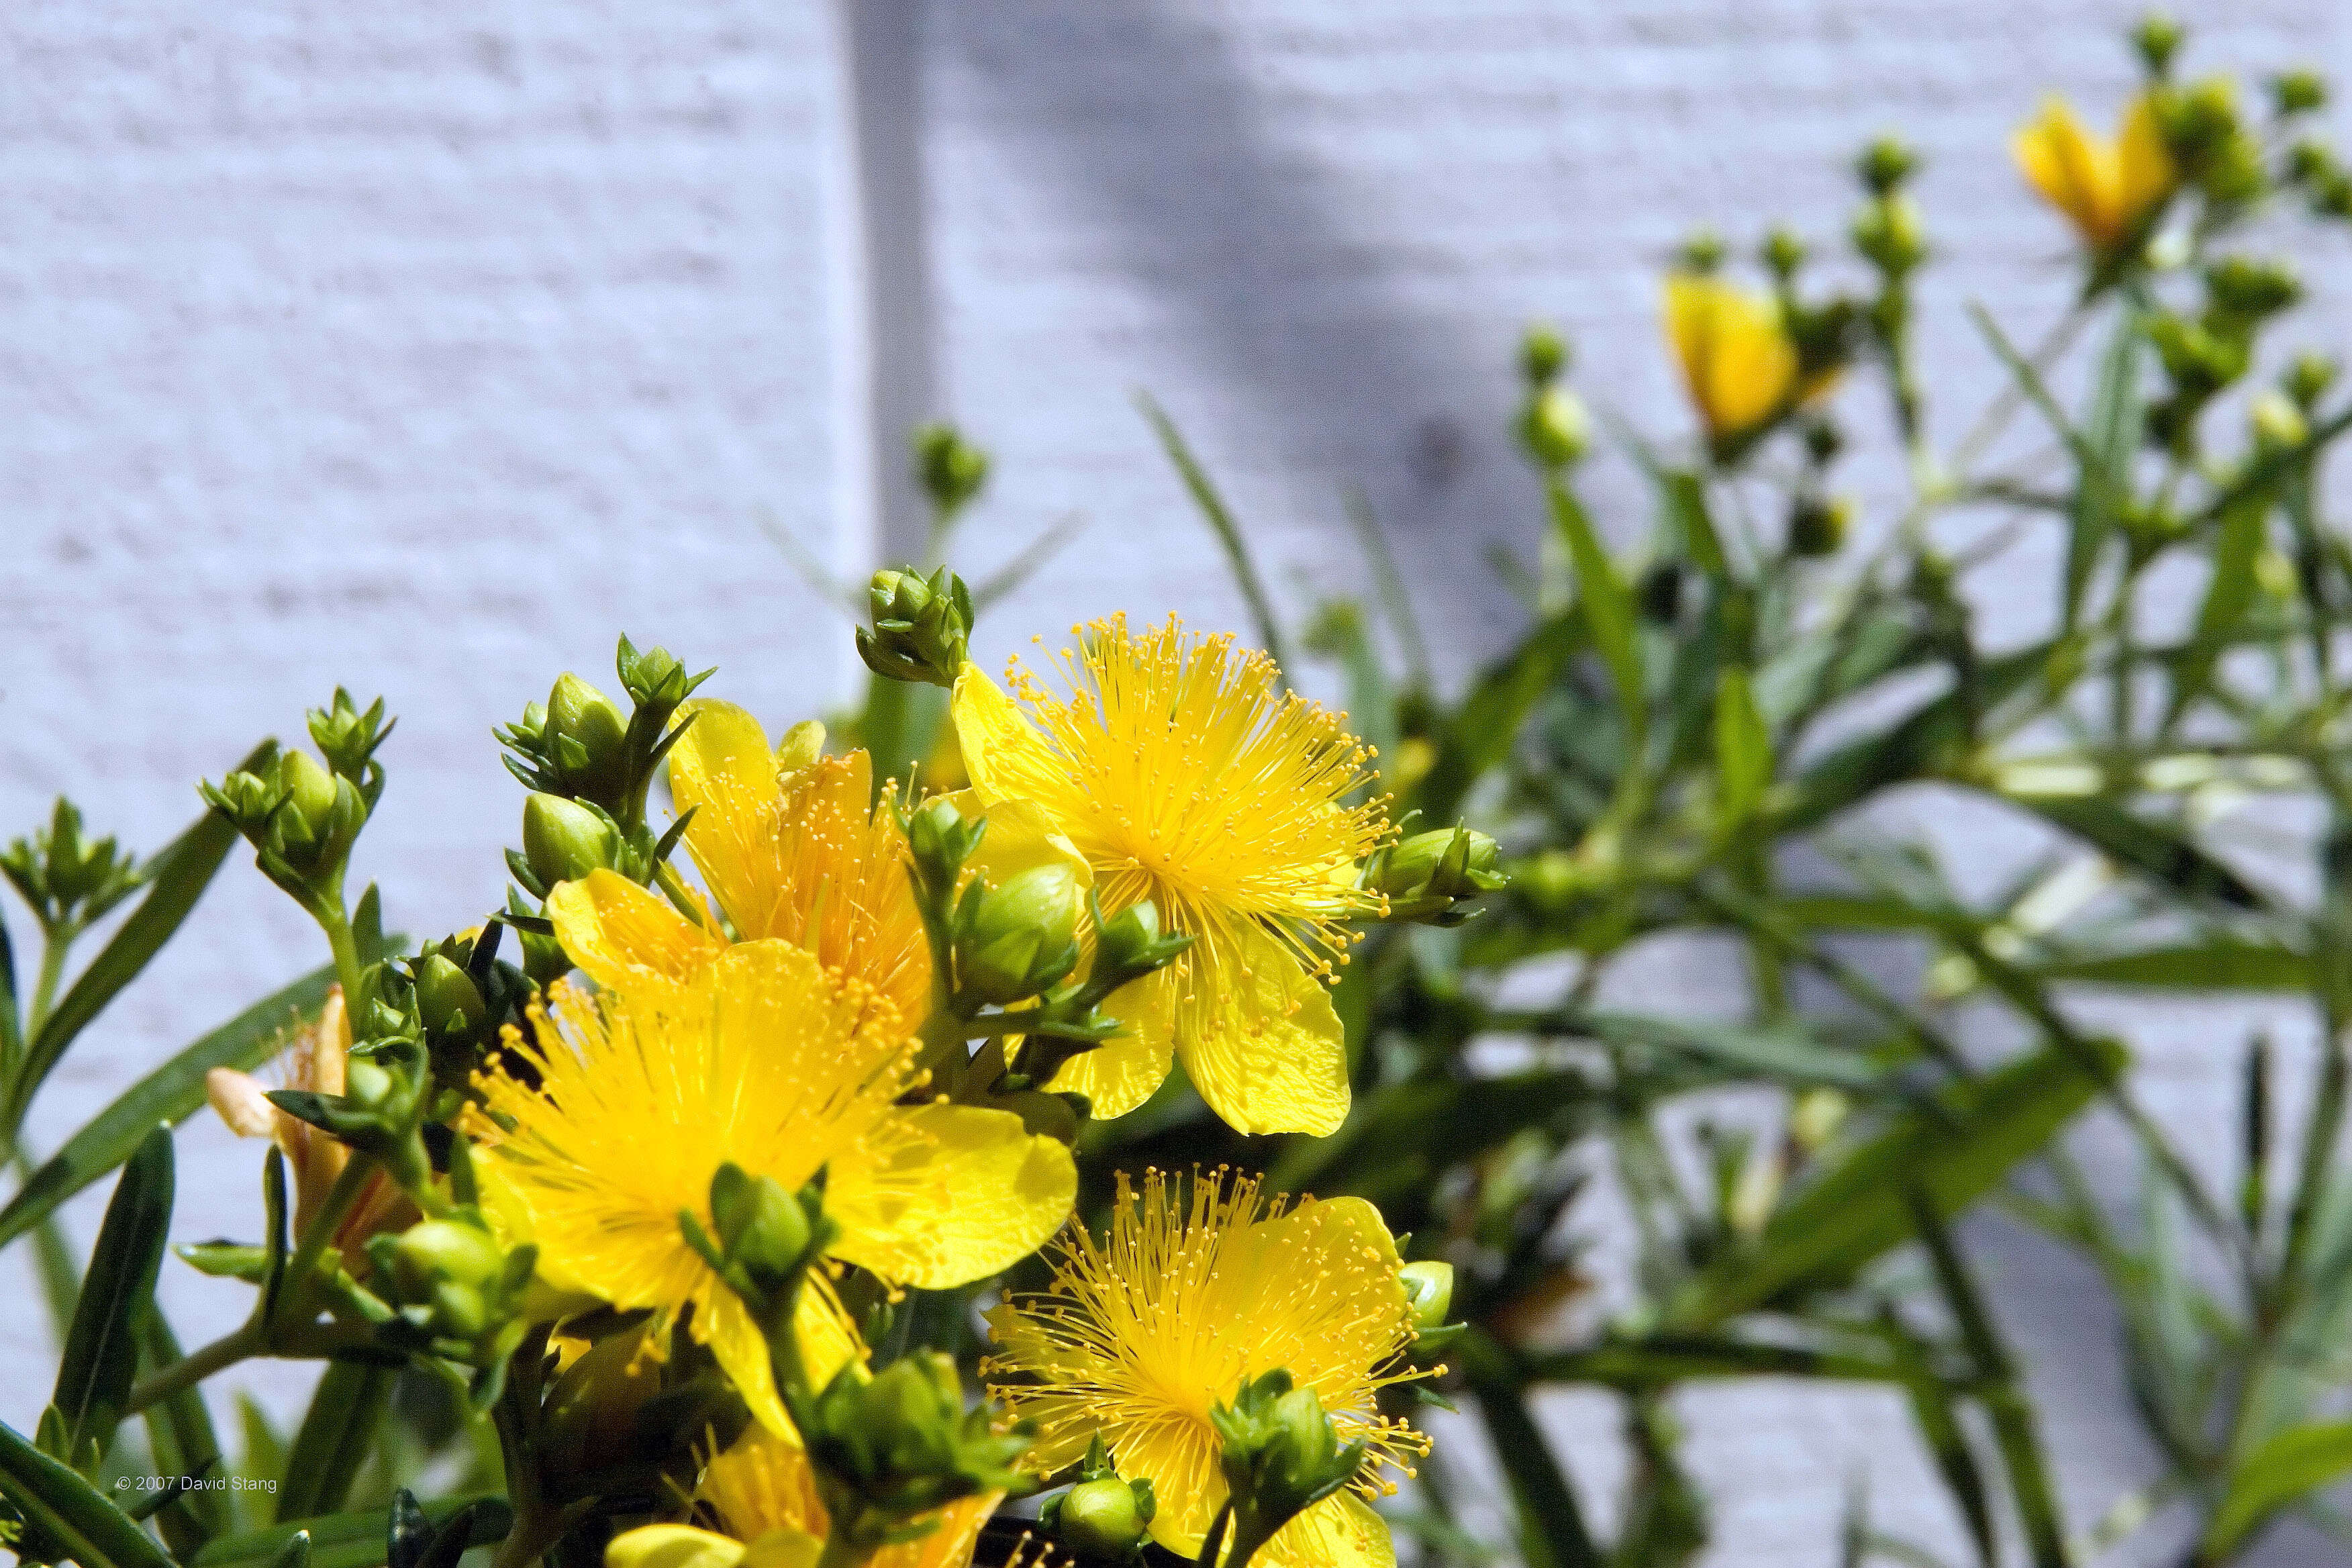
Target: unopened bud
x,y
1131,943
1818,525
1885,164
310,789
1022,937
433,1251
921,625
1891,235
1429,1286
2277,423
365,1084
1554,428
1782,253
1701,253
446,996
2309,378
2298,92
2242,286
1101,1519
1543,355
951,470
759,1225
564,840
2156,39
1428,877
586,737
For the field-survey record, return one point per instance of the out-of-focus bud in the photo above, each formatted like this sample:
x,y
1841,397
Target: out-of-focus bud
x,y
2277,422
922,625
1429,1286
69,880
2298,92
1818,525
564,840
587,739
1554,428
1021,937
1428,877
899,1444
1660,592
951,470
1543,355
1886,165
1816,1116
1701,253
1782,253
2157,40
1891,235
760,1226
2309,378
2248,289
2311,162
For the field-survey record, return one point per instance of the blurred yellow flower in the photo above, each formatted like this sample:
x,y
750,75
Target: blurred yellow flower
x,y
1184,774
1737,357
2109,190
1142,1334
596,1136
762,1497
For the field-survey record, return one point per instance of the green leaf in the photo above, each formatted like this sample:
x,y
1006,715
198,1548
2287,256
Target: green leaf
x,y
1743,748
170,1093
2289,1466
70,1516
1783,1053
1552,1532
2228,596
2221,964
334,1438
1220,519
1665,1359
180,1432
1608,608
2111,439
354,1540
176,878
1856,1210
2157,850
262,1455
102,1352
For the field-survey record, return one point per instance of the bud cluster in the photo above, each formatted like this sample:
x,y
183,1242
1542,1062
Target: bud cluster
x,y
578,747
1553,428
2204,355
1280,1456
1431,878
922,625
890,1446
301,816
69,881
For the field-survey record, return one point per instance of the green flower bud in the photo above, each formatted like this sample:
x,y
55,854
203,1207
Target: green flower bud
x,y
2311,162
1022,937
365,1084
435,1251
564,840
1429,1286
1818,526
921,625
1891,235
2308,380
951,470
1280,1455
1130,942
1102,1519
1782,253
901,1443
1885,164
759,1225
2244,286
2277,423
1702,252
2157,39
310,789
347,736
587,739
2298,92
1554,428
70,879
446,996
1428,877
1543,355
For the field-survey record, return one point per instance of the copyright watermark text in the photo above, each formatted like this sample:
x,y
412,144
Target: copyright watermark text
x,y
194,1484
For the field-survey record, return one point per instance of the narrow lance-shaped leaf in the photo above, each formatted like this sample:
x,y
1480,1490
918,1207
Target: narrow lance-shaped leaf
x,y
2289,1467
180,1434
334,1439
1608,608
358,1540
2111,439
67,1515
170,1093
102,1353
1743,749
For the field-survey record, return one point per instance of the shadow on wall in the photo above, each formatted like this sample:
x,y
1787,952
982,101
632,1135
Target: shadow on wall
x,y
1152,120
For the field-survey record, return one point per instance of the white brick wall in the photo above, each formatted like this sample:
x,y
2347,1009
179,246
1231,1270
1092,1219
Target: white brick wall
x,y
424,348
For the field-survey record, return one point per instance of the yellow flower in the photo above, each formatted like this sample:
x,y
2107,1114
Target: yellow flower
x,y
2109,190
762,1497
1737,357
1183,774
1141,1335
792,849
763,1057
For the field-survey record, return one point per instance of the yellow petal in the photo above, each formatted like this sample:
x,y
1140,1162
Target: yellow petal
x,y
962,1193
1125,1069
1020,836
992,730
827,1344
723,752
239,1102
785,1547
1737,362
1340,1531
2144,174
951,1540
2074,174
672,1546
623,935
1260,1038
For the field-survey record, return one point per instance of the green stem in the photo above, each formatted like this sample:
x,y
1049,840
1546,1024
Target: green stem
x,y
194,1367
341,1198
54,943
345,946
